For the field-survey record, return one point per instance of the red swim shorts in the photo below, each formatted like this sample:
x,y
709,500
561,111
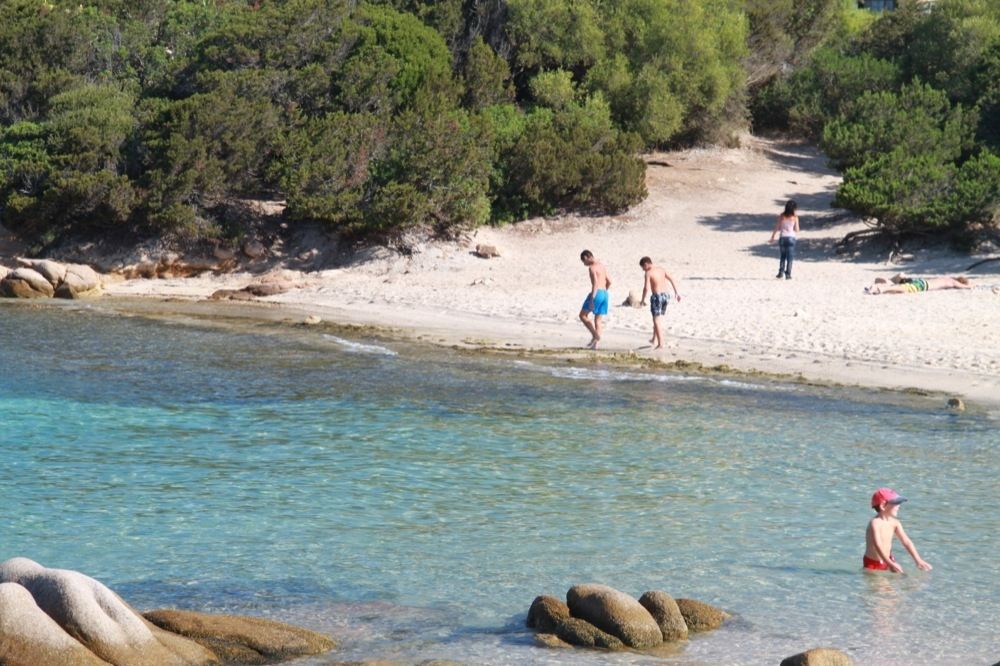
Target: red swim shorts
x,y
876,565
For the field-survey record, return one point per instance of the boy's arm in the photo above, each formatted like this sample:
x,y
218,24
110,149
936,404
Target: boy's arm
x,y
645,288
910,548
593,283
672,284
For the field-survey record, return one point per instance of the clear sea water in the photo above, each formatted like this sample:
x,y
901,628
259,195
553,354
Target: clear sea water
x,y
413,502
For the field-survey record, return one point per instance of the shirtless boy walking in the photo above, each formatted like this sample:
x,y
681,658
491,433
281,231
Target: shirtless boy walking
x,y
597,299
656,285
882,528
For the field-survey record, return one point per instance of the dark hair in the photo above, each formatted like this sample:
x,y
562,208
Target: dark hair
x,y
586,254
644,261
790,208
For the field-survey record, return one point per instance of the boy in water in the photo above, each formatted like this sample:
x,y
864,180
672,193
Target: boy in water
x,y
881,529
656,285
597,299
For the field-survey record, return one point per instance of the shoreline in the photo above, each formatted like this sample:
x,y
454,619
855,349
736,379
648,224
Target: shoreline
x,y
711,362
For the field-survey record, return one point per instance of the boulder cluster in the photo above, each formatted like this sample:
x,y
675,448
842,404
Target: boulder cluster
x,y
43,278
598,616
58,617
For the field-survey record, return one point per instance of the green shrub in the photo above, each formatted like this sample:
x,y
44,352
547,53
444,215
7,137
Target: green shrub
x,y
207,147
572,159
439,165
919,120
325,168
813,96
67,173
921,194
486,77
553,89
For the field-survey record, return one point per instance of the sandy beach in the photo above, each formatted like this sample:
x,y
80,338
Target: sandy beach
x,y
707,220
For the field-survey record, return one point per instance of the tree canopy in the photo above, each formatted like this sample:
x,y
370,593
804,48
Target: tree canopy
x,y
146,117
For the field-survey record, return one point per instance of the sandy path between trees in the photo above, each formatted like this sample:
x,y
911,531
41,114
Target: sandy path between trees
x,y
707,220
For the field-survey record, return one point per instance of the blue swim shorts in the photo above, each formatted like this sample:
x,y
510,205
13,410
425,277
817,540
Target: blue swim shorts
x,y
658,304
599,305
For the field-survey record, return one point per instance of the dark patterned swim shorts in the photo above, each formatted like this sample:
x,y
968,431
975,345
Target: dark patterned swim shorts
x,y
658,304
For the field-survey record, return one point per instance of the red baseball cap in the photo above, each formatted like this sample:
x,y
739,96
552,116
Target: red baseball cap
x,y
886,495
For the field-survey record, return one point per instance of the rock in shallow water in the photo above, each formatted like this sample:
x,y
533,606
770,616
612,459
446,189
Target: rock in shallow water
x,y
819,657
57,617
700,616
242,640
26,283
546,613
668,616
616,613
580,632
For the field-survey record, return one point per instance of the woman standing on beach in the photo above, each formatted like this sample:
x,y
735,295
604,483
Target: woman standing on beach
x,y
788,226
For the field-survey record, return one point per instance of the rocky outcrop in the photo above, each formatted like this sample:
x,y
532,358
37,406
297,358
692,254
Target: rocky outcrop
x,y
52,271
615,613
700,616
546,613
242,640
58,617
29,636
818,657
43,278
26,282
668,616
603,617
85,610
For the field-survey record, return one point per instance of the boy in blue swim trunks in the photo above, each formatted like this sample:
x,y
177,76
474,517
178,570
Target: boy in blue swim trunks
x,y
655,284
597,299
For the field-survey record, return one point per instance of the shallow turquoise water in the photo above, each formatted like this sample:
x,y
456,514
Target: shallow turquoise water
x,y
414,502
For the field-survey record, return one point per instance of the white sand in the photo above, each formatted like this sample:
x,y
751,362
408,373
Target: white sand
x,y
707,220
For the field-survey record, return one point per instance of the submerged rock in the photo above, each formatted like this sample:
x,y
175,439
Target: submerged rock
x,y
667,614
242,640
700,616
616,613
546,613
956,404
819,657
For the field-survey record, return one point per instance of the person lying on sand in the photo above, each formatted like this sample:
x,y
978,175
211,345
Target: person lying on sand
x,y
916,285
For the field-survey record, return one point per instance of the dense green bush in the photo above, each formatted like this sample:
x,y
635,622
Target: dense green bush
x,y
813,96
571,158
921,194
918,121
68,170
